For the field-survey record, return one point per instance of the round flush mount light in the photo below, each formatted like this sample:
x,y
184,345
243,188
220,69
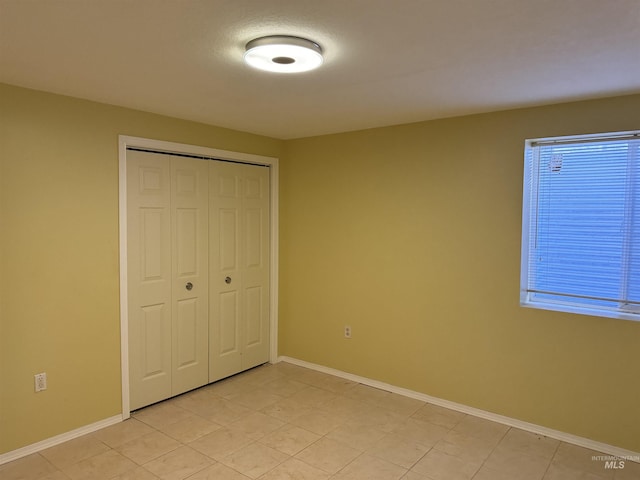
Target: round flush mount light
x,y
283,54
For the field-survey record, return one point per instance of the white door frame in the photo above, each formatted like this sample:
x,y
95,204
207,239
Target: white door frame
x,y
162,146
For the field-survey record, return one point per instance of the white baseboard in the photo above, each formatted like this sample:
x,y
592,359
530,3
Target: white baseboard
x,y
511,422
58,439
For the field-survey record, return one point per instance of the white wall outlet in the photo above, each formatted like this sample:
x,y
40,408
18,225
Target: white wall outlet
x,y
41,381
347,331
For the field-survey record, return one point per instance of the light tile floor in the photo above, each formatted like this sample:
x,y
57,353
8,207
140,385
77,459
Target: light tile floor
x,y
284,422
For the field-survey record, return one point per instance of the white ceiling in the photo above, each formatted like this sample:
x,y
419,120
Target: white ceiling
x,y
386,61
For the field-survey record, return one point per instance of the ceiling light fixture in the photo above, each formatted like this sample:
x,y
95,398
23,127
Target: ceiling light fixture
x,y
283,54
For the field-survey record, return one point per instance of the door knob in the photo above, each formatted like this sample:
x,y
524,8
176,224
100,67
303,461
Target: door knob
x,y
189,286
227,280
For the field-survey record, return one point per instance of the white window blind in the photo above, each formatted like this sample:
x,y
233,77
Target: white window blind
x,y
581,225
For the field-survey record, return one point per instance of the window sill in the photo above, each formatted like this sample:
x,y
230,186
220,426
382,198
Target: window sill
x,y
594,312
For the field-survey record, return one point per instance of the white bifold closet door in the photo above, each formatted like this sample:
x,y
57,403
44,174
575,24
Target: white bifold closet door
x,y
167,275
239,268
198,272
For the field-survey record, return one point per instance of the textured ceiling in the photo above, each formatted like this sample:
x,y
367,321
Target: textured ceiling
x,y
386,61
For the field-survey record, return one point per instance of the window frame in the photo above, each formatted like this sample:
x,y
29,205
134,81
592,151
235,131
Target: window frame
x,y
530,189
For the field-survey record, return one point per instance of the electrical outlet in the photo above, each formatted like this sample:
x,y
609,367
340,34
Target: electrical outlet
x,y
41,381
347,331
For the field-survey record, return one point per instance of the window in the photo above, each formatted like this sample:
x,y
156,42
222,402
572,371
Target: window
x,y
581,225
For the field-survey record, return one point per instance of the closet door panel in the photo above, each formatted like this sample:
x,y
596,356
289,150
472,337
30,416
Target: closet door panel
x,y
149,277
190,270
255,265
225,355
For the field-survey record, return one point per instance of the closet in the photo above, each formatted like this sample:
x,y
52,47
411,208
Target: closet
x,y
198,272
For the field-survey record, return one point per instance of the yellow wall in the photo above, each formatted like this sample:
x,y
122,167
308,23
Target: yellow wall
x,y
59,280
411,235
